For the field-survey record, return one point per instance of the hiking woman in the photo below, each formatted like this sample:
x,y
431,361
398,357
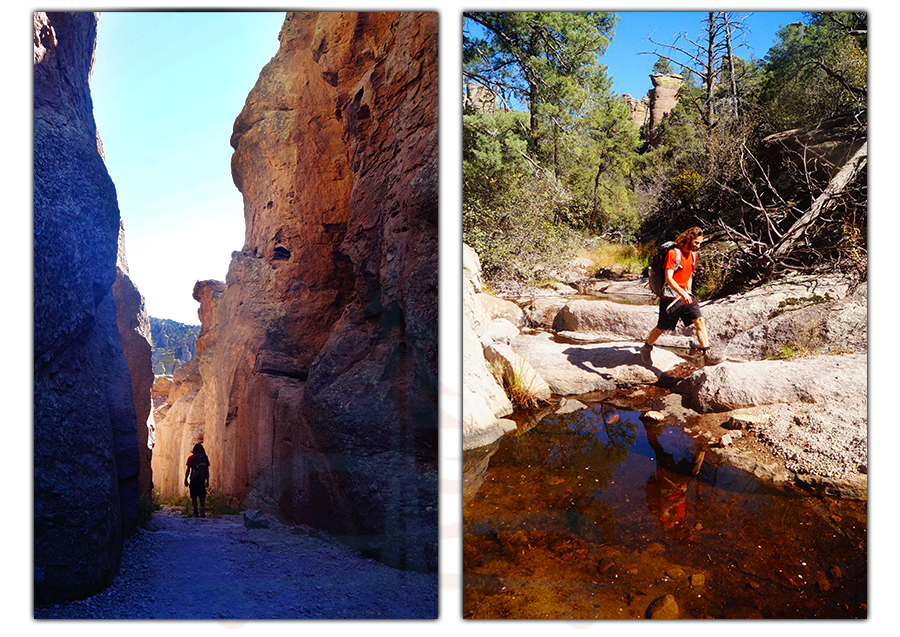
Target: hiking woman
x,y
198,472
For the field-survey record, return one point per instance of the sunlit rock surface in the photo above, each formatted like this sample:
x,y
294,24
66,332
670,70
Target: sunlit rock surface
x,y
318,356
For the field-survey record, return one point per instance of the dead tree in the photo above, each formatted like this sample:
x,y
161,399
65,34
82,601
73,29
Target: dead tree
x,y
775,235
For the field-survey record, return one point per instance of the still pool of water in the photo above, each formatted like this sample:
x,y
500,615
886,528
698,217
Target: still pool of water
x,y
596,514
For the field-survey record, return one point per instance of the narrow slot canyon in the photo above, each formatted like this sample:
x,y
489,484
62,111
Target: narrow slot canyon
x,y
311,380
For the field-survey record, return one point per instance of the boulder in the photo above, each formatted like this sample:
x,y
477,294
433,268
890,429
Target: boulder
x,y
484,401
256,519
541,312
630,321
499,331
818,379
496,307
516,370
584,368
811,413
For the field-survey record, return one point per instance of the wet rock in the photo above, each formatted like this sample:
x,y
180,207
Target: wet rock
x,y
676,573
725,440
568,405
654,416
663,608
605,564
697,579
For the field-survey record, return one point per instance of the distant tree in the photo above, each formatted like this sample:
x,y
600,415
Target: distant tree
x,y
662,65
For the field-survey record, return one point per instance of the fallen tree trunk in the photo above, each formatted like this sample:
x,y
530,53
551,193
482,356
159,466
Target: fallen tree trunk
x,y
835,188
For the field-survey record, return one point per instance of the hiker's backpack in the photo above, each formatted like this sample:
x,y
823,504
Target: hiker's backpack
x,y
657,273
200,472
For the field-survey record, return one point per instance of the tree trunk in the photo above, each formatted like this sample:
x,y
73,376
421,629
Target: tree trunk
x,y
710,69
734,93
835,187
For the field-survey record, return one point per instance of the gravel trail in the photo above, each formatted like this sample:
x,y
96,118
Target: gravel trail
x,y
215,568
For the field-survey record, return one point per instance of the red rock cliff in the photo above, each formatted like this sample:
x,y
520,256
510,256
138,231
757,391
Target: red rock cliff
x,y
319,359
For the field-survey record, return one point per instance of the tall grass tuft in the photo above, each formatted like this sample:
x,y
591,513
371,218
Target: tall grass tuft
x,y
629,258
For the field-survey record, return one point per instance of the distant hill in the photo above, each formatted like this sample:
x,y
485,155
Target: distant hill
x,y
173,344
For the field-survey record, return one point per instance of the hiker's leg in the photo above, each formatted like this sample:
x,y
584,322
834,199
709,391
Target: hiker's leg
x,y
702,336
655,333
194,502
202,507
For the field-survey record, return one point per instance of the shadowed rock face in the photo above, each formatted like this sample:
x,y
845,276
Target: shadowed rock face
x,y
134,329
319,360
86,454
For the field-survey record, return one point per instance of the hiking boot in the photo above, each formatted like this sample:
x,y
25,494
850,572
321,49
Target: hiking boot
x,y
712,356
646,348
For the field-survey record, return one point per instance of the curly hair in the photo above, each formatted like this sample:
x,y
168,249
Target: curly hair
x,y
688,235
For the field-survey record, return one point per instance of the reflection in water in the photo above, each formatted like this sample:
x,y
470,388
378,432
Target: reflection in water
x,y
596,514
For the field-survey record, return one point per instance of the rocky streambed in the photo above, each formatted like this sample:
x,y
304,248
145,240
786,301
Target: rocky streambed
x,y
671,489
788,403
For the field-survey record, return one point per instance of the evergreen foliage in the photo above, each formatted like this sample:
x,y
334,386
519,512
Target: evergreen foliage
x,y
572,167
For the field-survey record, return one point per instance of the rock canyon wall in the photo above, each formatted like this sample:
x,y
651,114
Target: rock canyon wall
x,y
89,468
318,354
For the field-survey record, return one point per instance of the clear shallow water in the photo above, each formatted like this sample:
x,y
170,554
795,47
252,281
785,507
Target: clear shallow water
x,y
596,514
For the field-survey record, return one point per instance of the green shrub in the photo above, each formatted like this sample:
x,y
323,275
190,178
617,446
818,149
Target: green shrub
x,y
216,504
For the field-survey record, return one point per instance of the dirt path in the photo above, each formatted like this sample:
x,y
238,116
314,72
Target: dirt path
x,y
215,568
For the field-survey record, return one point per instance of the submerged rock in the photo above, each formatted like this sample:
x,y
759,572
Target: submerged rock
x,y
664,608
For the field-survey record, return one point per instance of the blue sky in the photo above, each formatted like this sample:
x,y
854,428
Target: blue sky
x,y
629,58
167,88
630,68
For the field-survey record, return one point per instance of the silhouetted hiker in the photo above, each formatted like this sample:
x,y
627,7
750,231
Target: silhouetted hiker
x,y
677,301
198,471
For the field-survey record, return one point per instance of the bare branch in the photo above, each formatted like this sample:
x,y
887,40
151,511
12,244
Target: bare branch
x,y
835,188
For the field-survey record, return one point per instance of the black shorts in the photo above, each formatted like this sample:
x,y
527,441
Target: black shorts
x,y
198,489
688,313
